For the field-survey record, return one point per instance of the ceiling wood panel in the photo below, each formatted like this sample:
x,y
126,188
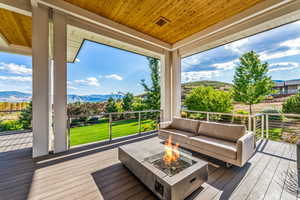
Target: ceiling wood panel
x,y
186,17
16,28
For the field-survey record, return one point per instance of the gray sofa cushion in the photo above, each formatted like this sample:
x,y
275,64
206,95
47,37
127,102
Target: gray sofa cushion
x,y
177,135
216,146
229,132
187,125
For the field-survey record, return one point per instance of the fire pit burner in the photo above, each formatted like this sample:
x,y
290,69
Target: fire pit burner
x,y
170,168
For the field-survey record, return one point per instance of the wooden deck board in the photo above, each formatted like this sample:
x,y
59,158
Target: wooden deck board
x,y
94,172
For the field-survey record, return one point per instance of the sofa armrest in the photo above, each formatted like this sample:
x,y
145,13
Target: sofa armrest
x,y
165,124
245,148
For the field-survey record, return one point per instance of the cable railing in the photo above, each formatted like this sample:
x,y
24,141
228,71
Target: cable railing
x,y
253,122
84,129
282,127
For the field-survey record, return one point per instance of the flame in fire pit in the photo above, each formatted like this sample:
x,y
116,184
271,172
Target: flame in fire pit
x,y
171,152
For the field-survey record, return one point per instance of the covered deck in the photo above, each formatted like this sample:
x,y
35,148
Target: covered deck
x,y
94,172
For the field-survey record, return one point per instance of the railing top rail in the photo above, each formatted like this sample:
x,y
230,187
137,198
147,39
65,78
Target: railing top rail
x,y
114,113
219,113
283,114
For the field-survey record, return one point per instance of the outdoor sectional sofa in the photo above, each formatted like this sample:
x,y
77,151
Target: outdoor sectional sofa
x,y
230,143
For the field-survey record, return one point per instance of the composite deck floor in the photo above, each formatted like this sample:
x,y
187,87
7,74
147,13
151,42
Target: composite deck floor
x,y
94,172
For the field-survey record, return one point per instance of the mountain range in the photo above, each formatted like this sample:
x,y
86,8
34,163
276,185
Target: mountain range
x,y
15,96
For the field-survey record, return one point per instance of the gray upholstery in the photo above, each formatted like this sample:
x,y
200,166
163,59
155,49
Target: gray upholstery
x,y
222,147
227,142
229,132
177,135
185,124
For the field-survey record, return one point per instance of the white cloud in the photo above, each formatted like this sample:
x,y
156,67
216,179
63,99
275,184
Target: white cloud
x,y
13,68
77,60
16,78
281,54
294,49
72,88
237,45
283,66
226,65
91,81
114,76
198,75
293,44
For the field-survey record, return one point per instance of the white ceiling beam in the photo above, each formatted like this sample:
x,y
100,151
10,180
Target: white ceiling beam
x,y
91,17
252,12
19,6
16,49
123,40
273,18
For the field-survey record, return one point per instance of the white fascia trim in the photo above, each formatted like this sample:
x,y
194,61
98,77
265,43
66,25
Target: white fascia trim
x,y
19,6
16,49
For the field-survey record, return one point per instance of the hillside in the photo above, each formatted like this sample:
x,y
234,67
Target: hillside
x,y
187,87
15,96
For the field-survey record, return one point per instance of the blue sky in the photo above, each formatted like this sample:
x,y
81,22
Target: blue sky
x,y
100,69
279,47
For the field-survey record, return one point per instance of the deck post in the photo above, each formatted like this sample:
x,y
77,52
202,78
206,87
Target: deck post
x,y
60,82
40,81
176,84
165,90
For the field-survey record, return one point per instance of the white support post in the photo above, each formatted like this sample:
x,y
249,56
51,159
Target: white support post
x,y
40,81
176,84
60,82
166,86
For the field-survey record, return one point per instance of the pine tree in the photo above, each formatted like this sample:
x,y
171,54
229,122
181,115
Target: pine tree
x,y
152,99
26,117
128,101
251,82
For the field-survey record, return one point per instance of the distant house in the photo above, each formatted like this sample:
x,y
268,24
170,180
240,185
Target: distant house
x,y
285,88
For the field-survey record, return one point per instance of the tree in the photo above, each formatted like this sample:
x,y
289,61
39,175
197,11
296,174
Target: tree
x,y
251,82
111,105
127,101
209,99
152,98
292,104
26,117
138,104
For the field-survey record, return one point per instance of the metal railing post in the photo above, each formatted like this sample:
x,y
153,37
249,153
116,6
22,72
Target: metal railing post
x,y
110,127
139,122
207,116
254,125
267,125
262,125
249,123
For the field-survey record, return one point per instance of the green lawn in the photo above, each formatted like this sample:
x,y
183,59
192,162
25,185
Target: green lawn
x,y
98,132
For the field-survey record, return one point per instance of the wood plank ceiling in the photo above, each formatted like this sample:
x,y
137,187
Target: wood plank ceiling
x,y
184,17
15,28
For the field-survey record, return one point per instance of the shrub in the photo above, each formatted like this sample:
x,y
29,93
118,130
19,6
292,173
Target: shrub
x,y
10,125
208,99
292,104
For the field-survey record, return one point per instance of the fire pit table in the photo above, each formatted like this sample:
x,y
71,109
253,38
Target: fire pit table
x,y
168,171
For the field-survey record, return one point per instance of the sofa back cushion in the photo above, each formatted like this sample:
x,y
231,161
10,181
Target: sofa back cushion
x,y
229,132
187,125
